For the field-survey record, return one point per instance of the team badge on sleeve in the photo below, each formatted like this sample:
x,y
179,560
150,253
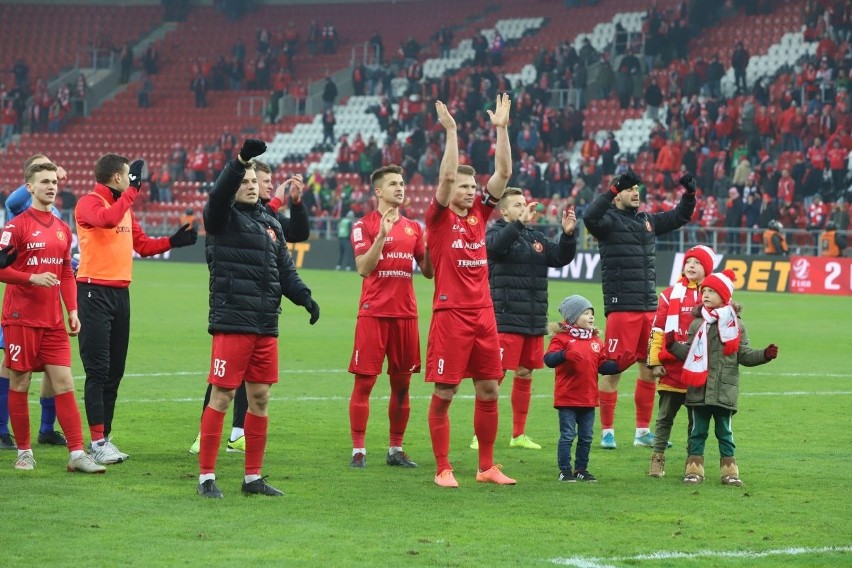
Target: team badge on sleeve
x,y
5,238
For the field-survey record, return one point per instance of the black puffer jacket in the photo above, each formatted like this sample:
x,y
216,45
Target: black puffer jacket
x,y
250,267
518,258
627,241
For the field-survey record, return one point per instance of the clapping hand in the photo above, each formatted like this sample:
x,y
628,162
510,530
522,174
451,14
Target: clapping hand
x,y
500,116
569,220
444,116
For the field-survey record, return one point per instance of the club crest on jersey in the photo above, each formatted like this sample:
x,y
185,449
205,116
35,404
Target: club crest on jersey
x,y
471,220
596,347
271,234
60,235
538,247
409,231
648,226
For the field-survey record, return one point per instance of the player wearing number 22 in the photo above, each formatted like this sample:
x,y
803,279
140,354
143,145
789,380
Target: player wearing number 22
x,y
36,265
250,269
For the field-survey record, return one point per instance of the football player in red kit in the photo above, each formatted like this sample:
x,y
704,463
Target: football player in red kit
x,y
463,339
386,246
36,260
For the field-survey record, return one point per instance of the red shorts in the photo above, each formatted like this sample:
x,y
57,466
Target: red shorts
x,y
239,357
396,338
627,337
462,344
31,348
519,350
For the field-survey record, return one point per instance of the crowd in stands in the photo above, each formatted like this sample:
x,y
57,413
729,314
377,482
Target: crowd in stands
x,y
779,148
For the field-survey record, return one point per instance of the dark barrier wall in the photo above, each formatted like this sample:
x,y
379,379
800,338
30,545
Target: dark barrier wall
x,y
754,273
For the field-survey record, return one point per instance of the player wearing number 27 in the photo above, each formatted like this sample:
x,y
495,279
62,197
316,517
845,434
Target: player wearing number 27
x,y
36,265
463,341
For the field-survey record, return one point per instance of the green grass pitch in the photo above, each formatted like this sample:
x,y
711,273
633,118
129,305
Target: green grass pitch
x,y
793,434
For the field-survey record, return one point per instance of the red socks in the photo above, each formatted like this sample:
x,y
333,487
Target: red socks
x,y
644,399
68,415
211,435
96,431
398,409
439,430
608,400
359,408
19,417
521,394
255,428
485,418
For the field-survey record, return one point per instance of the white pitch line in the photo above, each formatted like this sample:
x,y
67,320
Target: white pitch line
x,y
345,372
344,398
590,562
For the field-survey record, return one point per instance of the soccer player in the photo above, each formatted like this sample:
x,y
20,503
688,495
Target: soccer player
x,y
296,229
18,202
518,259
386,246
627,239
37,259
463,340
250,269
108,235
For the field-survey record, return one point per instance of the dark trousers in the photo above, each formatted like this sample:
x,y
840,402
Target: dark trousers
x,y
240,404
700,419
104,314
579,423
669,405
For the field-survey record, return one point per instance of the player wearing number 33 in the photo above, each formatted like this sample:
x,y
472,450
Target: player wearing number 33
x,y
250,269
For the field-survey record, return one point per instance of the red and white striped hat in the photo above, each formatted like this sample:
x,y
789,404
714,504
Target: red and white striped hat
x,y
722,283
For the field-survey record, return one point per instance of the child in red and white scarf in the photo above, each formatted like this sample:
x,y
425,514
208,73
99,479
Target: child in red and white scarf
x,y
674,314
717,346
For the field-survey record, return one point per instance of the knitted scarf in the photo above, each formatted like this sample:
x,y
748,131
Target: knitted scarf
x,y
673,316
695,367
577,332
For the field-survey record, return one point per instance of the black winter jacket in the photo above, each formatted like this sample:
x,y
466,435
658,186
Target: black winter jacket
x,y
518,259
627,241
250,267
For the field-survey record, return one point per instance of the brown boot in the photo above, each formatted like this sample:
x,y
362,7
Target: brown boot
x,y
694,470
658,465
730,472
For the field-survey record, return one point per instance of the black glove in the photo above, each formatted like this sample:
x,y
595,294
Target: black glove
x,y
688,182
251,149
183,237
771,352
313,309
8,256
136,173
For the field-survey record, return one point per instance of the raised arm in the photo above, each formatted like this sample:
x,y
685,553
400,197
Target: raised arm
x,y
503,152
450,161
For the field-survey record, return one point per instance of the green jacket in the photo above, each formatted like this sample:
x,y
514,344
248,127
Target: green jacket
x,y
723,379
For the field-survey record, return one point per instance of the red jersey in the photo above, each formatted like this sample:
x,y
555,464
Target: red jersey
x,y
388,290
43,243
457,249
